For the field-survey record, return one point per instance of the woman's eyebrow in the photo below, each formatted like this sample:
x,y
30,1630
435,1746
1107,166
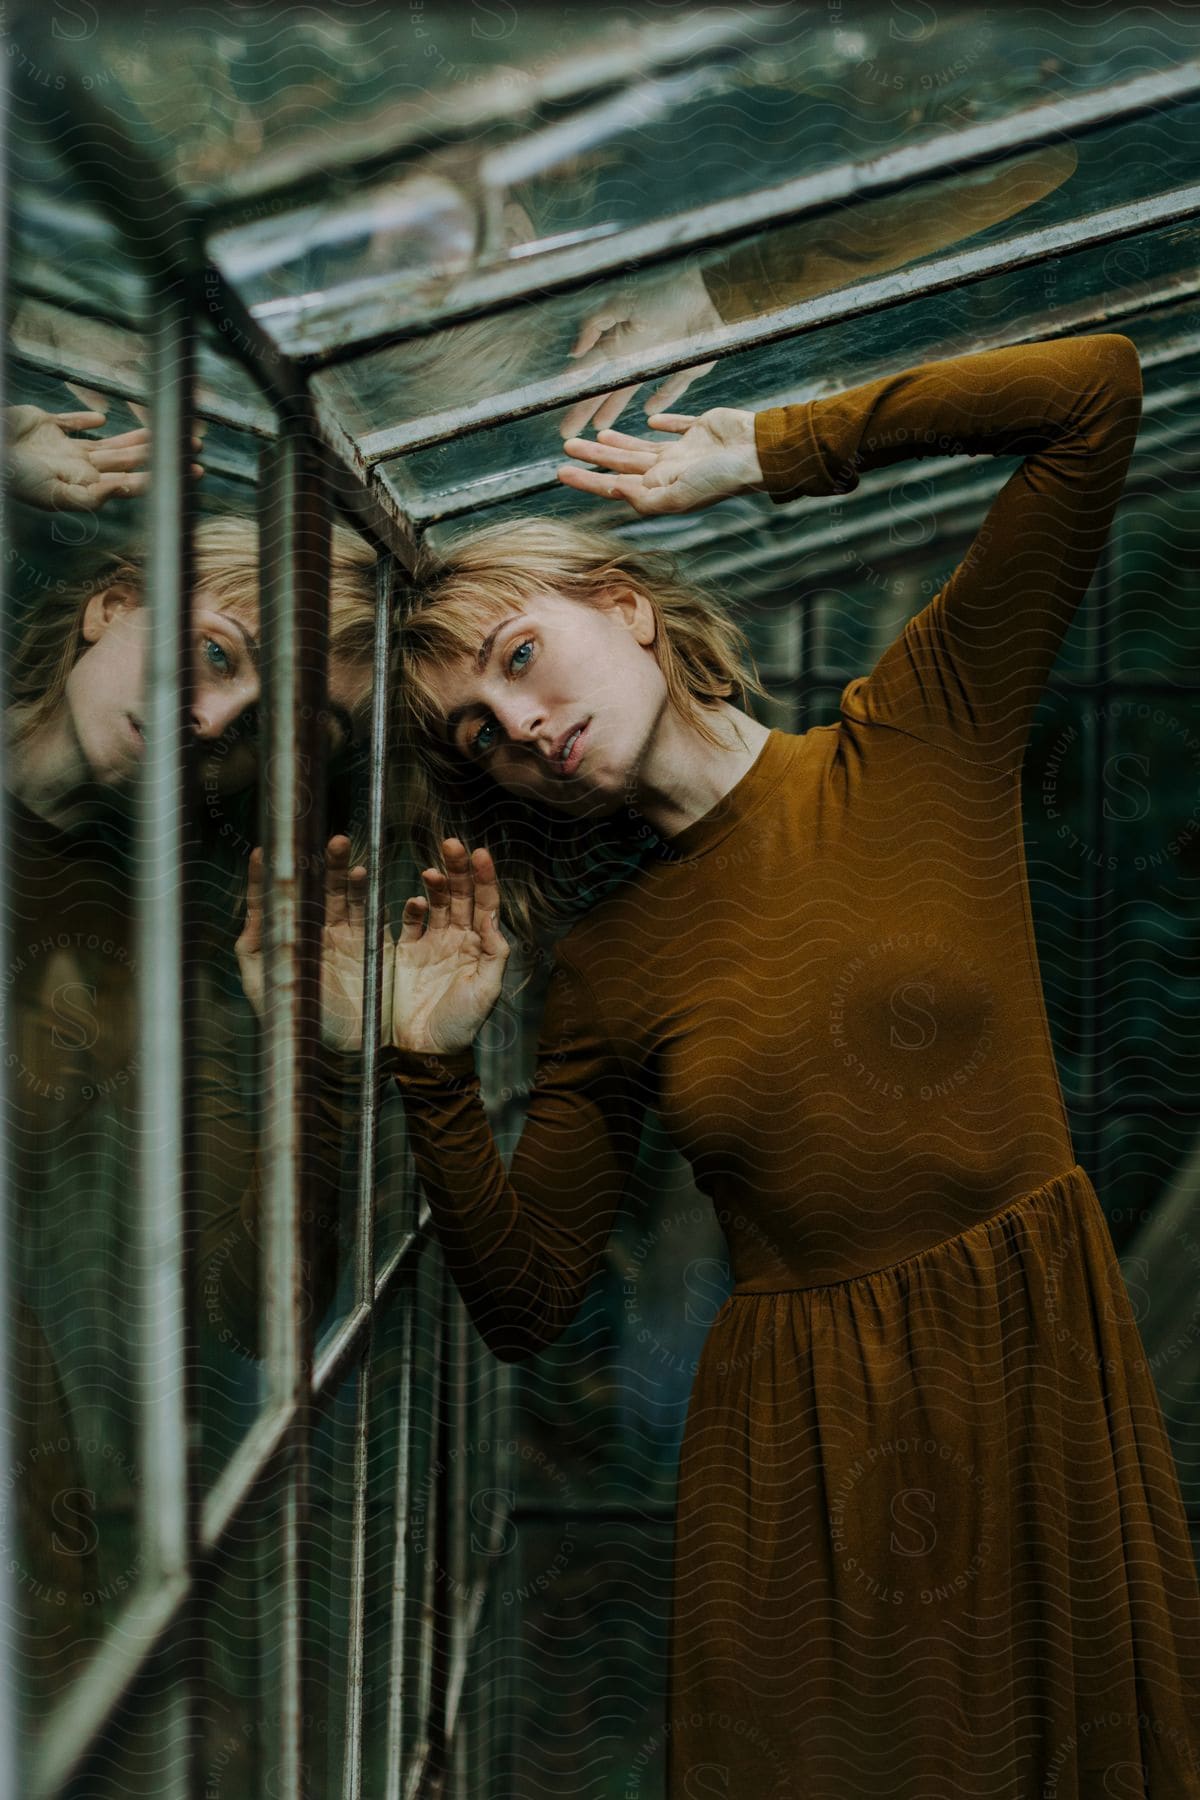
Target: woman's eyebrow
x,y
251,643
482,657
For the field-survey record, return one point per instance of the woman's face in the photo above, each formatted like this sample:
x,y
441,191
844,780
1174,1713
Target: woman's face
x,y
105,692
549,668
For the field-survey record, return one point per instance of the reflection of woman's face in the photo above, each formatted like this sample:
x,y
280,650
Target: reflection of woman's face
x,y
105,691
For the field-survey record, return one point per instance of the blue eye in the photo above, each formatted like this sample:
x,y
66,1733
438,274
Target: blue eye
x,y
476,744
223,666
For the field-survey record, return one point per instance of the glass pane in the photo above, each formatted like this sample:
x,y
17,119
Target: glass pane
x,y
1056,808
602,1410
589,1686
145,1737
970,316
391,1345
330,1546
1150,805
1156,567
231,1183
823,706
61,248
240,98
1143,1154
395,1184
113,359
425,1477
69,1509
774,629
238,1728
801,96
1150,1203
848,91
854,622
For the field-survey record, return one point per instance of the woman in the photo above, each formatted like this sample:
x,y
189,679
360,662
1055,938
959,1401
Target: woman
x,y
930,1536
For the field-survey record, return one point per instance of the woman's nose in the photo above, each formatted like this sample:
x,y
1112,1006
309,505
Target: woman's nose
x,y
214,712
522,721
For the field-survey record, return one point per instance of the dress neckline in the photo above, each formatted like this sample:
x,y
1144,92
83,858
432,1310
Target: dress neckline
x,y
743,798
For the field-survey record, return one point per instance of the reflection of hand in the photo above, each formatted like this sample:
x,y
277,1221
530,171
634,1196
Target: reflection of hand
x,y
49,468
651,313
450,959
342,944
711,458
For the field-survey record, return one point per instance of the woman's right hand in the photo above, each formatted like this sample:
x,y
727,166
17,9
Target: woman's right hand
x,y
450,955
704,459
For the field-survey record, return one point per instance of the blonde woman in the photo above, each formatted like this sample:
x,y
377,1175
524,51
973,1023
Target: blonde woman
x,y
930,1537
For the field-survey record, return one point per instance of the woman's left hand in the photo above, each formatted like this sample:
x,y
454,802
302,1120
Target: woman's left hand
x,y
705,460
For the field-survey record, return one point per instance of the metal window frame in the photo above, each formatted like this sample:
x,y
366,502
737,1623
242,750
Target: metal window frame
x,y
184,1530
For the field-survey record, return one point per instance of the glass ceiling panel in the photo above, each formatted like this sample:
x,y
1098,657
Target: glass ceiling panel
x,y
117,362
242,95
59,248
996,310
817,95
745,539
654,309
621,129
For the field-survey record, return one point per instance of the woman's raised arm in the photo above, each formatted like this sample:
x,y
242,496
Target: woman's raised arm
x,y
966,673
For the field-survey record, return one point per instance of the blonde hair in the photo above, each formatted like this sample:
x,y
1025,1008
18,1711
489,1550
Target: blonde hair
x,y
225,564
550,866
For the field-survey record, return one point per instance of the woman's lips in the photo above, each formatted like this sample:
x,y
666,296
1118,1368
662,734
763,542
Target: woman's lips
x,y
569,763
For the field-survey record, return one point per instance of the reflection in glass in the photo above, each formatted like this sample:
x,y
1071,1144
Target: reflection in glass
x,y
75,743
839,356
239,1689
795,99
670,304
330,1544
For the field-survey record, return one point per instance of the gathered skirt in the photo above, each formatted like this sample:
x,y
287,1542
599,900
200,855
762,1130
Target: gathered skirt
x,y
930,1537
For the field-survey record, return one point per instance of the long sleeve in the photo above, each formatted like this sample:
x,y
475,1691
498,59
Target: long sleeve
x,y
966,673
817,256
523,1247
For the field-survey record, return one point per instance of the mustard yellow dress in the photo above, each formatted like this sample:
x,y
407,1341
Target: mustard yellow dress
x,y
930,1538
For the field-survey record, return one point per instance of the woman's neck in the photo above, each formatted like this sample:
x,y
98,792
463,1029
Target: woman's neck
x,y
685,776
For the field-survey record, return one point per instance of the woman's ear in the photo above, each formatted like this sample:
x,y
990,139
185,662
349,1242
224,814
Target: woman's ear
x,y
637,613
103,607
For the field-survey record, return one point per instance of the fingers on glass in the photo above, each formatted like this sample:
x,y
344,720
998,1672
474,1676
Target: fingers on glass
x,y
576,417
667,421
615,404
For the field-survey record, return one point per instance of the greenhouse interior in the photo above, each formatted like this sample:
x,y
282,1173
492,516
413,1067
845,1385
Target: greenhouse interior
x,y
311,293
